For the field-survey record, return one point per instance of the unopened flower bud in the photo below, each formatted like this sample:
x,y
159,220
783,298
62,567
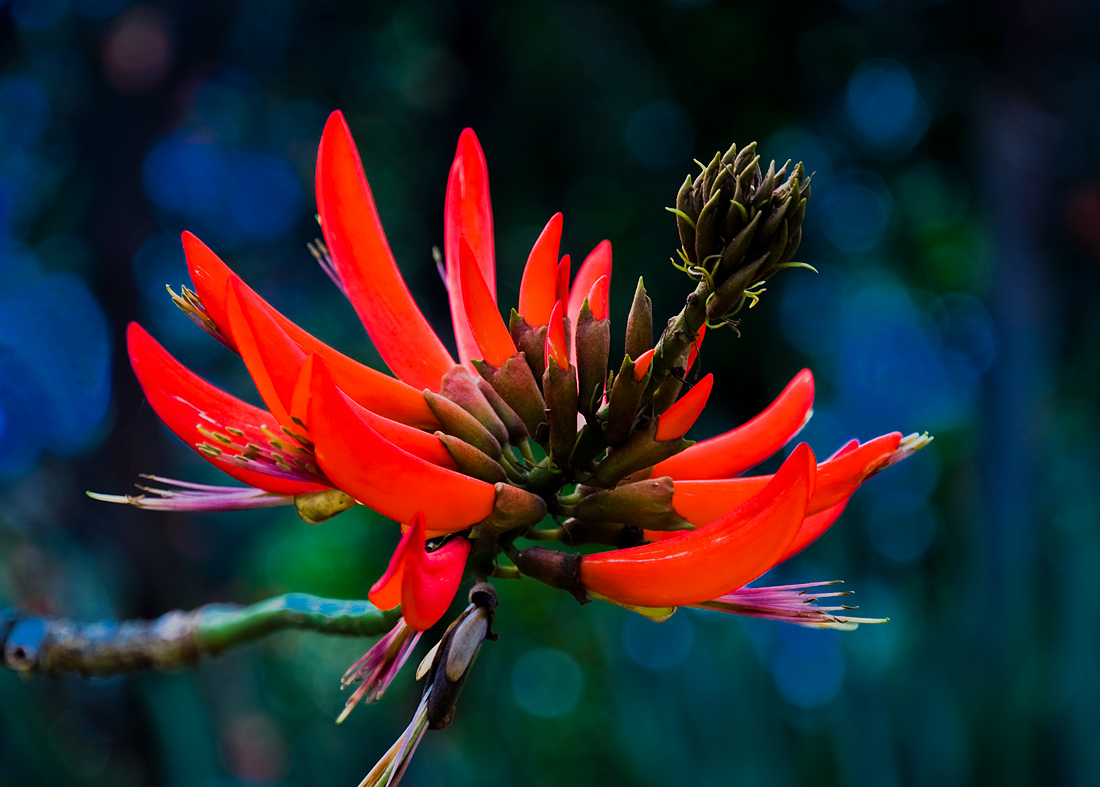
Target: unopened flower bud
x,y
645,504
456,421
734,215
640,451
512,509
472,462
623,401
639,323
461,387
516,385
559,386
317,507
529,340
593,345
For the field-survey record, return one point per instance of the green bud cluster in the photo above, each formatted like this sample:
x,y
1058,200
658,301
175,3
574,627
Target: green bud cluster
x,y
739,225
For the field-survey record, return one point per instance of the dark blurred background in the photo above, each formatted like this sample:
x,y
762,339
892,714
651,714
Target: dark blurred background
x,y
955,221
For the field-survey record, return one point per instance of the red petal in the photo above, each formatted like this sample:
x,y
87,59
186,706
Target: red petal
x,y
595,265
186,403
369,387
749,444
467,213
382,476
693,353
641,364
363,260
598,298
488,329
700,502
723,556
274,373
813,527
563,280
424,583
422,444
538,292
555,339
676,420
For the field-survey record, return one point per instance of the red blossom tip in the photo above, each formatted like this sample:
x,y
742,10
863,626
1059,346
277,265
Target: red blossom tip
x,y
468,213
486,326
363,260
423,583
751,443
598,298
555,339
563,279
676,420
538,290
641,364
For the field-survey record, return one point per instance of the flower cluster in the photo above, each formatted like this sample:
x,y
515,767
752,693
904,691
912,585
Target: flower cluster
x,y
529,436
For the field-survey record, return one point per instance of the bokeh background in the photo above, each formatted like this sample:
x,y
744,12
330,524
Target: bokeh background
x,y
955,221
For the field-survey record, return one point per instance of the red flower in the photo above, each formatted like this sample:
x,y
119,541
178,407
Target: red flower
x,y
453,448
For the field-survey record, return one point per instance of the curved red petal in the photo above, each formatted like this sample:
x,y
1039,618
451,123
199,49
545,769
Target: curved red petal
x,y
693,353
676,420
595,265
555,339
381,475
538,290
813,527
563,280
723,556
749,444
274,373
431,580
386,592
641,364
598,298
374,390
425,445
493,340
468,213
365,264
700,502
202,415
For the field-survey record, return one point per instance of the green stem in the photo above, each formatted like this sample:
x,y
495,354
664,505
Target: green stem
x,y
54,646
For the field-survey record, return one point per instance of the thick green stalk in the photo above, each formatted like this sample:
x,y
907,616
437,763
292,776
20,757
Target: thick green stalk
x,y
54,646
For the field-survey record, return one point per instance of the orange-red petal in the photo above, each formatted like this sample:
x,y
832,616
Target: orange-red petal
x,y
381,475
467,213
723,556
700,502
424,583
555,339
486,326
813,527
598,298
749,444
200,414
369,387
676,420
641,364
693,353
563,279
538,290
595,265
365,264
422,444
